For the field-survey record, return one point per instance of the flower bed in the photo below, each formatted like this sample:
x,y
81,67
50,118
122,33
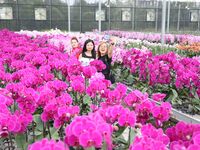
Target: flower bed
x,y
184,45
143,61
176,76
47,94
190,49
155,37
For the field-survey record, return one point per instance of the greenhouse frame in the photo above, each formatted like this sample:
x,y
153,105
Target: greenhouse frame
x,y
137,15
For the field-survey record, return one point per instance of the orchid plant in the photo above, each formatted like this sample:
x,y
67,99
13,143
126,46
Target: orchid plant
x,y
49,100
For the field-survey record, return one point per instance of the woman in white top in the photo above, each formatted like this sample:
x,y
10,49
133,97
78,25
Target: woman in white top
x,y
88,53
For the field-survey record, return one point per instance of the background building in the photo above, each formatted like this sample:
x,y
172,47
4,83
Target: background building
x,y
138,15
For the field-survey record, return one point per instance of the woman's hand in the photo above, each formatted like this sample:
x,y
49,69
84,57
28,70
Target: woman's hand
x,y
113,41
110,50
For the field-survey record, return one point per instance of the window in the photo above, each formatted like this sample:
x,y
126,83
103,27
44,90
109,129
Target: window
x,y
193,15
126,14
101,14
150,15
40,14
6,13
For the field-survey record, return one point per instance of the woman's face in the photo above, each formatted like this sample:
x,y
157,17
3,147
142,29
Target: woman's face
x,y
103,49
89,46
74,44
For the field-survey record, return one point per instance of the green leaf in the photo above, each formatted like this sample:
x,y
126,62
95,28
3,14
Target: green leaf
x,y
54,133
38,128
60,76
175,95
36,133
39,137
144,89
179,102
71,148
21,141
170,99
38,121
120,140
86,99
196,96
90,148
198,108
120,131
195,101
54,72
104,146
130,79
132,135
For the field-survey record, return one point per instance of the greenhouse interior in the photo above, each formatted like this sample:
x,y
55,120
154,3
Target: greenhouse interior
x,y
99,74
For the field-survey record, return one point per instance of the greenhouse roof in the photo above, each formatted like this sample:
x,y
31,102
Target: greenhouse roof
x,y
182,0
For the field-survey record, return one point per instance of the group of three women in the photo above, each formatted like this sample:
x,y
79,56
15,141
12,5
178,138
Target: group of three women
x,y
88,53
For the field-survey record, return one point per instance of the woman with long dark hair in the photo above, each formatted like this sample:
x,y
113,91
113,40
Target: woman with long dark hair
x,y
88,53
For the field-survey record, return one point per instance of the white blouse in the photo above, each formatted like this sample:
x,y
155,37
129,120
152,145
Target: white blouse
x,y
85,61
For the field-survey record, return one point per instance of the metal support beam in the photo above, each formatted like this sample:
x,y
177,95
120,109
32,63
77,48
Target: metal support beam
x,y
50,16
109,21
168,16
156,25
163,22
199,20
17,9
99,16
81,16
179,13
69,20
136,1
133,14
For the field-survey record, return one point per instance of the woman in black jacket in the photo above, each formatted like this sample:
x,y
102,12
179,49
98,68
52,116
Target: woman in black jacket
x,y
104,53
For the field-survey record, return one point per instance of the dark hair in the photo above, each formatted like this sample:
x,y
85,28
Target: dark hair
x,y
93,50
74,38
